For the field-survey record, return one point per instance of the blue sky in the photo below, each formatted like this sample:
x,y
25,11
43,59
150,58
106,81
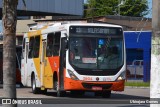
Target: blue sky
x,y
150,8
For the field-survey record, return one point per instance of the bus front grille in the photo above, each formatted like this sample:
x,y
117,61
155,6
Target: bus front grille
x,y
90,85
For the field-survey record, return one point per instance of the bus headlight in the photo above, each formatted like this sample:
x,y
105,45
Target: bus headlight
x,y
72,75
122,76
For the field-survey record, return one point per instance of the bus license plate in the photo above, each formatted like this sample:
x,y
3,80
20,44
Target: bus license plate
x,y
96,88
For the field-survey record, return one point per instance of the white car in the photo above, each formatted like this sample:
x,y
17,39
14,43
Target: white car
x,y
136,68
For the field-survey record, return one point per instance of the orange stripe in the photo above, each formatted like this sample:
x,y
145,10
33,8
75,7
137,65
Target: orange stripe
x,y
54,63
77,85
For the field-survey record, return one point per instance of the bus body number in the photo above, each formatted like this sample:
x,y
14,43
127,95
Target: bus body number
x,y
87,78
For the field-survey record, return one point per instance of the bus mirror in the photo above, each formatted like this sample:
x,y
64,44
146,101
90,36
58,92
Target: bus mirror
x,y
66,43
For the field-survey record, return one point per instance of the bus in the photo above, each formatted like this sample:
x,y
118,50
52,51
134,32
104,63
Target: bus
x,y
18,64
75,58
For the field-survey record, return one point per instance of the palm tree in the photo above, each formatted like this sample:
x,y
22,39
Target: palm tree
x,y
9,22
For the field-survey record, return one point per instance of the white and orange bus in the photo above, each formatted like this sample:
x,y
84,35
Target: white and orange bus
x,y
74,57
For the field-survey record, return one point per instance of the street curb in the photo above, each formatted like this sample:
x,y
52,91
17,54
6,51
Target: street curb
x,y
137,87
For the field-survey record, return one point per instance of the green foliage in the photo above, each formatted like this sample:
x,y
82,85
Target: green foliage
x,y
138,84
137,8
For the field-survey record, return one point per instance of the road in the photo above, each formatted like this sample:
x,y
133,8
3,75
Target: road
x,y
118,99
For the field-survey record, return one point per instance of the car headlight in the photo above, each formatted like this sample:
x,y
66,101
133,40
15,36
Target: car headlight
x,y
122,76
72,75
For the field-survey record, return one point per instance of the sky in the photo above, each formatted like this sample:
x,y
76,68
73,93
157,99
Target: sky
x,y
150,8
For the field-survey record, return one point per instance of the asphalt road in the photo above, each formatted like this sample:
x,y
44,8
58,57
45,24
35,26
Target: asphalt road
x,y
118,99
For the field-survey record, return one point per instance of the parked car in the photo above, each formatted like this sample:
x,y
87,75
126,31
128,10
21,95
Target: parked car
x,y
135,69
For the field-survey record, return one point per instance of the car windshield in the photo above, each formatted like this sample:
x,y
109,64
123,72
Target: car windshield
x,y
96,53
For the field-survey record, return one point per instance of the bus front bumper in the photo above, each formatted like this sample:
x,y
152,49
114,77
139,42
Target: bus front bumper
x,y
93,86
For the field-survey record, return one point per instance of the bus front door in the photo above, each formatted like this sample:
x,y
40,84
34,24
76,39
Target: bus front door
x,y
24,60
43,64
62,63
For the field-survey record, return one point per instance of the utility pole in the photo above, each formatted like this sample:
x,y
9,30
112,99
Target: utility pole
x,y
120,2
119,7
155,55
9,21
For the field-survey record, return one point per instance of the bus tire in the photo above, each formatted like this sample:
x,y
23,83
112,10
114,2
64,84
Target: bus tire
x,y
35,90
98,93
75,93
81,93
106,94
44,91
61,93
55,81
55,85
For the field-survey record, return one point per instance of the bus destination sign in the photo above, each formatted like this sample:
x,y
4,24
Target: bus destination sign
x,y
95,30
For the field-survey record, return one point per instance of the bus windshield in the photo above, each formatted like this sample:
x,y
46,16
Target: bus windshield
x,y
96,53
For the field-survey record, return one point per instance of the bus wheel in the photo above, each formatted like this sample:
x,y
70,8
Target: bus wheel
x,y
81,93
55,85
98,93
33,84
106,94
61,93
77,93
44,91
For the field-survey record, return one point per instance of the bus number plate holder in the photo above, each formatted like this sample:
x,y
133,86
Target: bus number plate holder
x,y
96,88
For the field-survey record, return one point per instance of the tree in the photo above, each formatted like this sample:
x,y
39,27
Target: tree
x,y
100,7
137,8
9,21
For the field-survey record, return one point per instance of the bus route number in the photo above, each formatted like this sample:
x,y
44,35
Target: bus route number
x,y
87,78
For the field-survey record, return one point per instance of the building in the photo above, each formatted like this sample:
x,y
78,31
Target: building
x,y
128,23
49,8
138,47
33,10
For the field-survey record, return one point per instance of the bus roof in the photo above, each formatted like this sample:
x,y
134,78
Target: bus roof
x,y
62,26
94,24
41,27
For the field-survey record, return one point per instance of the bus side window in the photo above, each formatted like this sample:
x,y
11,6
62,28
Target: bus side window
x,y
31,43
49,45
56,43
23,48
36,47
